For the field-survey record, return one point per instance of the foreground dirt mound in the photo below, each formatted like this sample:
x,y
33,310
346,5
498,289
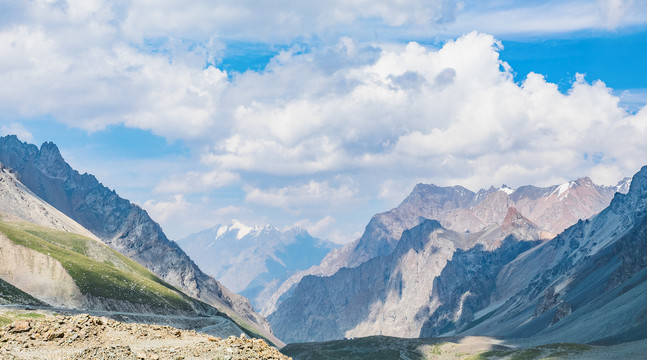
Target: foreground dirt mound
x,y
89,337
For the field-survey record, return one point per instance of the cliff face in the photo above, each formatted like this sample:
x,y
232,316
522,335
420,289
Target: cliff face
x,y
396,293
118,223
547,210
585,285
508,280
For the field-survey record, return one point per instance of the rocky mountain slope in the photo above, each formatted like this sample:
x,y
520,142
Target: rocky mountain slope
x,y
394,294
18,201
552,209
44,265
62,264
253,261
120,224
587,284
456,208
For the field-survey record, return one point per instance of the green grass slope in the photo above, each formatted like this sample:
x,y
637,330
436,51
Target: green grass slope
x,y
99,271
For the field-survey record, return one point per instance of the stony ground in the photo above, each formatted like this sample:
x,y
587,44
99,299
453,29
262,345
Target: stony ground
x,y
38,336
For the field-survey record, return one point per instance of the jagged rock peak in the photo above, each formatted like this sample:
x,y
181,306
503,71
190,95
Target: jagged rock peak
x,y
243,230
51,162
514,220
638,185
431,189
50,149
584,181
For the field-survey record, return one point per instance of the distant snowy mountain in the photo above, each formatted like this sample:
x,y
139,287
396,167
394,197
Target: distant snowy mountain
x,y
254,260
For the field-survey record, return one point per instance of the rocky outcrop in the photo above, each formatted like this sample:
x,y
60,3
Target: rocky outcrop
x,y
122,225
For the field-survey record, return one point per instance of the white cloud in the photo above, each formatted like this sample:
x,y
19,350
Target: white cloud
x,y
185,215
324,127
19,130
300,196
195,182
165,210
473,122
278,20
318,228
548,17
615,12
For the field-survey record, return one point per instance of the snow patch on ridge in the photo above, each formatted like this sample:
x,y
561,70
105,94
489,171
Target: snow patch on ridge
x,y
221,231
563,188
242,229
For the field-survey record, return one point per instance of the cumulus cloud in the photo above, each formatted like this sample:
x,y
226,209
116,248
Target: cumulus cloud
x,y
195,182
321,129
280,20
298,196
526,17
18,130
187,215
317,229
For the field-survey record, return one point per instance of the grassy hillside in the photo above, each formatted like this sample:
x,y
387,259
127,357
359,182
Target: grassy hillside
x,y
10,294
98,270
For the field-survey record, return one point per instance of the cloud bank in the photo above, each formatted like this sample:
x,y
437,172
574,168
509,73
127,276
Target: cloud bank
x,y
340,122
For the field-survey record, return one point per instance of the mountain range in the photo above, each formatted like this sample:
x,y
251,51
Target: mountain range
x,y
120,224
407,272
47,259
564,263
254,260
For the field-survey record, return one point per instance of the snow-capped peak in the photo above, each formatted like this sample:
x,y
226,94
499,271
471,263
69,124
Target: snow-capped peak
x,y
563,188
242,229
506,189
221,231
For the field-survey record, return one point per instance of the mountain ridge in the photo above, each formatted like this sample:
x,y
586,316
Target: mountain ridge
x,y
462,210
122,225
389,294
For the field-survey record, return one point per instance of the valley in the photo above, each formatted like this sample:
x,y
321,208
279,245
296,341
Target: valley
x,y
502,273
323,180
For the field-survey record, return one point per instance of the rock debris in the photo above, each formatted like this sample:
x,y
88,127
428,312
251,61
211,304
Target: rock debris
x,y
88,337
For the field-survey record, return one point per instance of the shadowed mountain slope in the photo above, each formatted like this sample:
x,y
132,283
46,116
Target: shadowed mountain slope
x,y
120,224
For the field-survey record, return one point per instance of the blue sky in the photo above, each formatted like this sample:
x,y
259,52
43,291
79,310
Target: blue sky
x,y
321,115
